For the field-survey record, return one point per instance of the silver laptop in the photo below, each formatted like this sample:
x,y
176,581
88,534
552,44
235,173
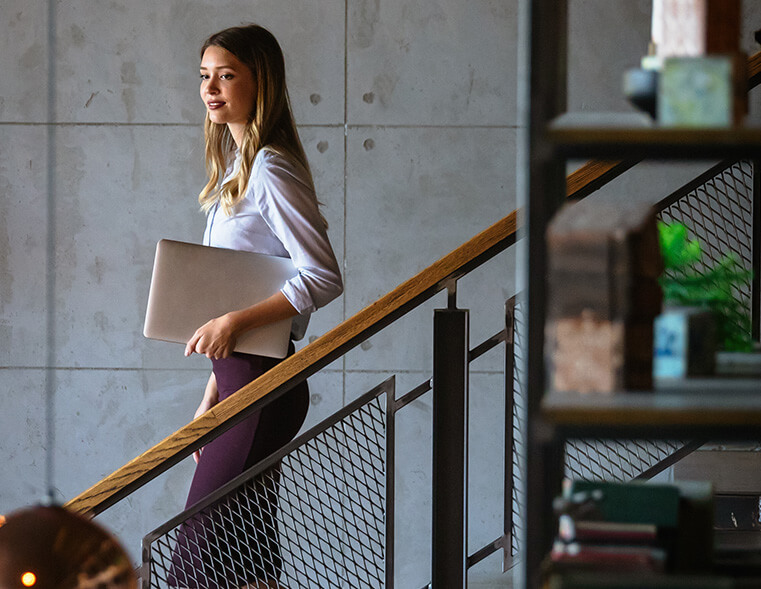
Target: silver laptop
x,y
192,284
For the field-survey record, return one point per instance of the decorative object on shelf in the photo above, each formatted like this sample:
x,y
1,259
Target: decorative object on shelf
x,y
694,74
696,92
641,84
604,294
53,548
687,282
696,48
682,28
685,343
641,89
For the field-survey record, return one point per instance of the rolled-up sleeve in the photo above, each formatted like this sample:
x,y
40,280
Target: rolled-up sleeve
x,y
289,207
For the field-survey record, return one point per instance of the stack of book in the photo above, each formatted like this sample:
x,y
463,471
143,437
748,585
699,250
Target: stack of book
x,y
609,546
640,528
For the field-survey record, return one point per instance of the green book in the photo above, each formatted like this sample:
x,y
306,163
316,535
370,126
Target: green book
x,y
635,502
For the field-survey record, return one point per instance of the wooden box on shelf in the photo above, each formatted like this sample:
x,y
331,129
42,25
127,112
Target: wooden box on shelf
x,y
604,262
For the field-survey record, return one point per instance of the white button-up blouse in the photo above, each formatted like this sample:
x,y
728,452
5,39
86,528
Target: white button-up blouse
x,y
279,216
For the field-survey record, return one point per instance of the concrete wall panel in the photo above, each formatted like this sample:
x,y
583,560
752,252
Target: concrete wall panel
x,y
120,190
484,292
24,439
23,246
325,397
486,454
432,63
324,147
23,61
486,443
91,403
413,478
414,195
751,15
413,472
601,48
138,62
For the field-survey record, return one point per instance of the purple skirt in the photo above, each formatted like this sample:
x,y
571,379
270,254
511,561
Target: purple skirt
x,y
204,557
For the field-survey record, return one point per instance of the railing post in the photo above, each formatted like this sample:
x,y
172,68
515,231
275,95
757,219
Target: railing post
x,y
450,431
390,484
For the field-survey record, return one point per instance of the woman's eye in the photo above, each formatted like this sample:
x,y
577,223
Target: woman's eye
x,y
227,76
204,76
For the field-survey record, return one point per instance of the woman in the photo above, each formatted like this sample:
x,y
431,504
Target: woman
x,y
259,198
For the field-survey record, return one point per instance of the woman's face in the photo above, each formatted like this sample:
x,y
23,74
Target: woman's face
x,y
227,88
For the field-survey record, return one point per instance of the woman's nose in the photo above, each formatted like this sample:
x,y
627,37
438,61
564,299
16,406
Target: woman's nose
x,y
212,87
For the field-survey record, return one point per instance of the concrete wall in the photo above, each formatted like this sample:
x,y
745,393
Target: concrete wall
x,y
407,110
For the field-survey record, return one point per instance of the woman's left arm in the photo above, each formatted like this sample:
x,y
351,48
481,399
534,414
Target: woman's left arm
x,y
217,338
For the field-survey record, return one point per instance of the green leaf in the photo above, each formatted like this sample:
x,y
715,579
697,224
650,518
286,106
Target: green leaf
x,y
715,288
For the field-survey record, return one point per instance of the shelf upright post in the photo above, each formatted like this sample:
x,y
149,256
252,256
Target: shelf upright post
x,y
544,91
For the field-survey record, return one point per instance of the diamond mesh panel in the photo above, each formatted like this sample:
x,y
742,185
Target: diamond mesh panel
x,y
519,421
720,214
314,520
615,460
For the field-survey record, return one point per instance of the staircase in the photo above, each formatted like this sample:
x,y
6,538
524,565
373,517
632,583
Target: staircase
x,y
336,483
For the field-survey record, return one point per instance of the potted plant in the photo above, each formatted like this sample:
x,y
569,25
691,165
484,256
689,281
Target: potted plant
x,y
705,297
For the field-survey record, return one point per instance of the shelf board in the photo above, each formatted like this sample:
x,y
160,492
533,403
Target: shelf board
x,y
720,403
654,142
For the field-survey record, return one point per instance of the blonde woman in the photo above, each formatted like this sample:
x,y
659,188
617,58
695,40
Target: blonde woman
x,y
259,197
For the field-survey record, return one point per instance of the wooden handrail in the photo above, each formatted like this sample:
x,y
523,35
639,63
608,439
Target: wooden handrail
x,y
298,367
346,335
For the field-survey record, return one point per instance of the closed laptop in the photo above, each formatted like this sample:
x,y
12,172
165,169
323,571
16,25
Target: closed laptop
x,y
193,283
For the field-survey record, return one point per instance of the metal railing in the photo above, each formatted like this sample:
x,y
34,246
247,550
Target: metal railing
x,y
326,499
330,521
333,524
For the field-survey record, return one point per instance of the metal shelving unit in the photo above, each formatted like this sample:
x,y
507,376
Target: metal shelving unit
x,y
711,409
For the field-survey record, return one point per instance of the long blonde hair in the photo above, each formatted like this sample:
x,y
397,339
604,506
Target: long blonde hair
x,y
270,125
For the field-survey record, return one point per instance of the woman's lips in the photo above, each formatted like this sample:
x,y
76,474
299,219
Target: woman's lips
x,y
215,105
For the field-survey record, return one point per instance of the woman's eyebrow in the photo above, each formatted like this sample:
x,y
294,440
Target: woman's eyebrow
x,y
219,67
